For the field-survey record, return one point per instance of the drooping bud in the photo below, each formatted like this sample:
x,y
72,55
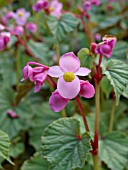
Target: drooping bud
x,y
18,30
93,47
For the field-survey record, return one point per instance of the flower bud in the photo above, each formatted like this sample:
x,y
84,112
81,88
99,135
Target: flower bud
x,y
93,47
18,30
30,26
41,4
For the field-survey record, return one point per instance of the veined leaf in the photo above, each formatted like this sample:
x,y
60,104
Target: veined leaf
x,y
4,145
36,163
63,145
86,58
117,73
60,29
114,150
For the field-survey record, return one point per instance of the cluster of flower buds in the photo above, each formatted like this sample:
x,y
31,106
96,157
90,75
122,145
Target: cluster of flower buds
x,y
54,7
4,39
105,47
68,84
88,4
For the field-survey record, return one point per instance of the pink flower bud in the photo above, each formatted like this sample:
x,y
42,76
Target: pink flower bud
x,y
95,2
40,5
87,5
4,39
93,47
12,114
31,27
26,72
18,30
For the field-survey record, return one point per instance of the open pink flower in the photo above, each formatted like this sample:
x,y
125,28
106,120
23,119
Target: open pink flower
x,y
55,8
68,84
21,16
105,48
57,102
37,74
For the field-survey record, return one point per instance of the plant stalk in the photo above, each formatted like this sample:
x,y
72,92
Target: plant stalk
x,y
82,114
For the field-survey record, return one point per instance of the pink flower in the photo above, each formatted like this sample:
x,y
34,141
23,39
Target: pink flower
x,y
18,30
31,27
37,75
57,102
87,5
55,8
105,48
95,2
69,85
40,5
21,16
2,27
4,39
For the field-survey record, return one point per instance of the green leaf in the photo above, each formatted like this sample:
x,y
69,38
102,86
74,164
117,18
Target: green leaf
x,y
41,51
36,163
117,73
12,126
120,51
63,145
43,117
106,86
61,28
125,92
113,150
16,149
86,58
4,145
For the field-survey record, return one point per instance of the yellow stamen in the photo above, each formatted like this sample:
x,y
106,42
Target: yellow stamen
x,y
20,14
68,76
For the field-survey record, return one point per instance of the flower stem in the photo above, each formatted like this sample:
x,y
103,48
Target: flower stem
x,y
18,66
82,114
112,115
96,162
58,52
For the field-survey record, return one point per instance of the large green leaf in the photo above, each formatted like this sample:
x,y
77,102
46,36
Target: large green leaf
x,y
12,126
36,163
86,58
117,73
114,150
61,28
125,92
120,51
4,145
63,145
43,117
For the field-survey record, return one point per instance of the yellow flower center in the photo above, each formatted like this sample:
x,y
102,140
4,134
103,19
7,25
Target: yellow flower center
x,y
20,14
68,76
51,9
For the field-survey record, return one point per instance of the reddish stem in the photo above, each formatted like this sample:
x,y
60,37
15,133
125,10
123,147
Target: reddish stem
x,y
82,114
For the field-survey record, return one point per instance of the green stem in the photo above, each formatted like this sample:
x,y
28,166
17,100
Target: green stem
x,y
82,114
18,67
112,115
96,162
63,113
58,52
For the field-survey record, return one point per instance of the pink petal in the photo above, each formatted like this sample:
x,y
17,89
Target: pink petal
x,y
37,87
69,62
86,89
57,102
55,71
82,71
68,89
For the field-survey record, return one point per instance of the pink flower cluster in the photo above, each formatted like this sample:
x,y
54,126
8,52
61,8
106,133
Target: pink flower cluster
x,y
104,48
54,7
88,4
68,84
